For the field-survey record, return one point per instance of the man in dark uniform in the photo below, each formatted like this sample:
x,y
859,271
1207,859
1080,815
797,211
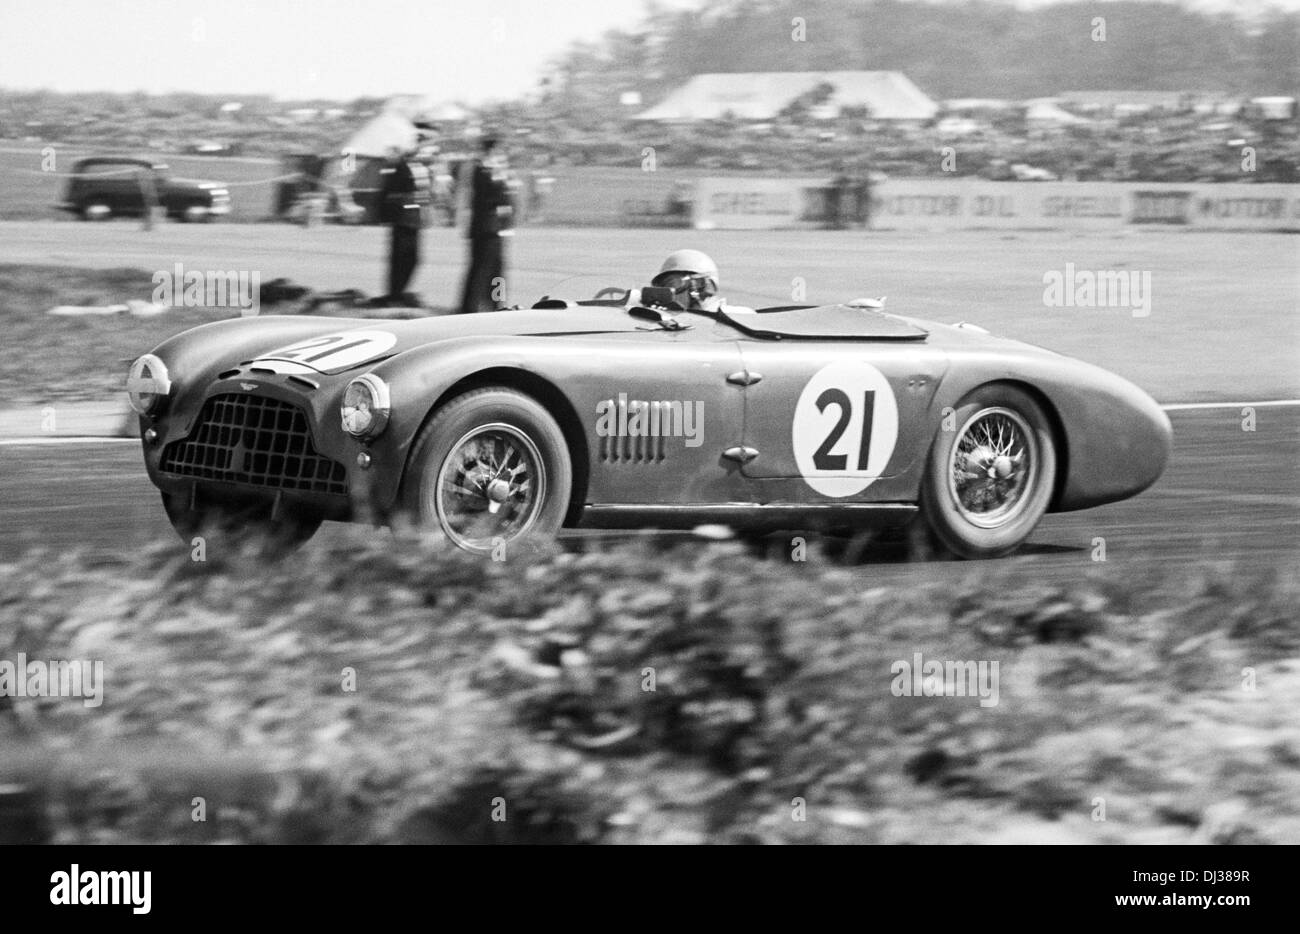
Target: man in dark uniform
x,y
405,192
862,199
841,194
492,219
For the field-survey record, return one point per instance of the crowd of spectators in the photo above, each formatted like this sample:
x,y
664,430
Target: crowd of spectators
x,y
1161,144
1153,146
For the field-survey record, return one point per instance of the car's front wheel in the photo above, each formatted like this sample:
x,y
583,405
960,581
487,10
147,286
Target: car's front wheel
x,y
238,527
990,476
492,470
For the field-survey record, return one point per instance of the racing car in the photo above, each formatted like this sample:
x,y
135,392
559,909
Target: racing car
x,y
638,408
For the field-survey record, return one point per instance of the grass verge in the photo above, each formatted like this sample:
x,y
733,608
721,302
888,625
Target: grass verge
x,y
85,358
78,359
386,690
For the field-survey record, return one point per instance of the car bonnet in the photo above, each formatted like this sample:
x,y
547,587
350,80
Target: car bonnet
x,y
354,342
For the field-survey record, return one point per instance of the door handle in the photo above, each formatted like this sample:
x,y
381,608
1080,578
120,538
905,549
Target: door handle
x,y
740,454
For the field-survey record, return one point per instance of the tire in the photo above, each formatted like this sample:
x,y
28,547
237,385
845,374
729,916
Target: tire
x,y
451,482
988,482
96,210
237,528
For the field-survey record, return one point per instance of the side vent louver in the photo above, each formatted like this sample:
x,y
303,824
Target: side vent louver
x,y
625,449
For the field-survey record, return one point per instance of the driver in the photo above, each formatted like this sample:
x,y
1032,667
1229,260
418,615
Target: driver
x,y
692,275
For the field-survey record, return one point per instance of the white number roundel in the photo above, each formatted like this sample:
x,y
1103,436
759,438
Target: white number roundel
x,y
335,351
845,428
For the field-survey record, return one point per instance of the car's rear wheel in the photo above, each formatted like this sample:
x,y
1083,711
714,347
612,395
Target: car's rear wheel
x,y
989,481
96,211
492,470
239,527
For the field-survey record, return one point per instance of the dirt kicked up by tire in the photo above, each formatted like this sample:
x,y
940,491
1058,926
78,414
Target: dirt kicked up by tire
x,y
240,527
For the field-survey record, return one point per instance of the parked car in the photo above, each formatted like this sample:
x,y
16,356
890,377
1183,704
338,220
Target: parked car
x,y
210,148
111,186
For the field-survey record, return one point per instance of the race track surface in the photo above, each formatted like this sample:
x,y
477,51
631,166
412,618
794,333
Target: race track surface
x,y
1224,325
1223,322
1228,496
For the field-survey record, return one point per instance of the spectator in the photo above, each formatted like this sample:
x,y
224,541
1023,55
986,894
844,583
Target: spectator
x,y
405,196
840,210
492,217
862,200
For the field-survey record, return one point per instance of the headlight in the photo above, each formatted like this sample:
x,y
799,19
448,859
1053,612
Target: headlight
x,y
147,384
365,406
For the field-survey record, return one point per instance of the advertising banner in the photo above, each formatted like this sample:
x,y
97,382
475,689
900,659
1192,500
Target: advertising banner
x,y
741,203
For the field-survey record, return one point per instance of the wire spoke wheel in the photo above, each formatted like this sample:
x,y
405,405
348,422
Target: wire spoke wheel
x,y
490,468
994,464
989,482
490,487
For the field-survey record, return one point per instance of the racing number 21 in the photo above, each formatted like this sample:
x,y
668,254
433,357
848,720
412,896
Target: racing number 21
x,y
823,459
300,352
336,351
826,421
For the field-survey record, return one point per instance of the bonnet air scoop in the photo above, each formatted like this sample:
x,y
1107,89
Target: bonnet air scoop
x,y
825,322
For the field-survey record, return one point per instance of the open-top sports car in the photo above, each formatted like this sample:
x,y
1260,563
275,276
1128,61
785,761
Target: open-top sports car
x,y
635,409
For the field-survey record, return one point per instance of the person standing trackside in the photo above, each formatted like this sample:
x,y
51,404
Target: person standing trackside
x,y
841,192
492,219
405,191
862,199
149,195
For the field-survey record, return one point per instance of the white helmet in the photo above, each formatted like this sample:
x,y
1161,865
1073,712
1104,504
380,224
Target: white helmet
x,y
690,263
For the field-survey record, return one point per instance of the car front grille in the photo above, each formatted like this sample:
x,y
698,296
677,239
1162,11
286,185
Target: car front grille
x,y
257,441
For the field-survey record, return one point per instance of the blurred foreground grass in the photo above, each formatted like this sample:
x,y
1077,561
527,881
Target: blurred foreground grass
x,y
518,690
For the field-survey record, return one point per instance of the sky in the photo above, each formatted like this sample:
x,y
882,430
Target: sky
x,y
465,50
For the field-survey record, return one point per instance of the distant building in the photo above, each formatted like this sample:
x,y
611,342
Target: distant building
x,y
1123,103
976,104
884,95
1046,112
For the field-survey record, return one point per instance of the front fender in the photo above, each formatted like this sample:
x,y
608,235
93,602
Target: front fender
x,y
419,378
1117,439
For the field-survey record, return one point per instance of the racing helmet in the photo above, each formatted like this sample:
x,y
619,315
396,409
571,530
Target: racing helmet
x,y
693,267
